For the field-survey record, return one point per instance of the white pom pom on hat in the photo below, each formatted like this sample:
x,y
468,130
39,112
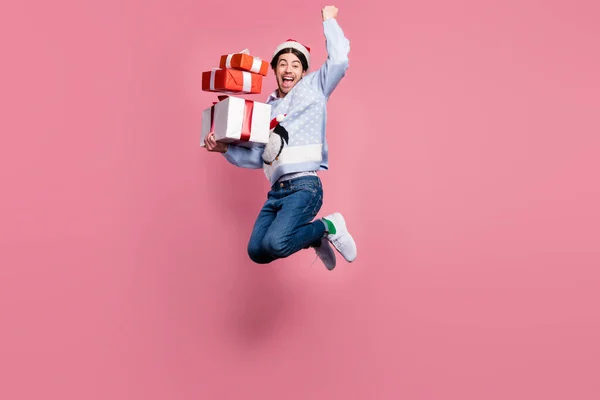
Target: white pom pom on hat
x,y
294,44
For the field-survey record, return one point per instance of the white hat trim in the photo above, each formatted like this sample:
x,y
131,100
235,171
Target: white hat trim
x,y
293,45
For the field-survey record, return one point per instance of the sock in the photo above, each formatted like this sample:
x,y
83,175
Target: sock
x,y
329,227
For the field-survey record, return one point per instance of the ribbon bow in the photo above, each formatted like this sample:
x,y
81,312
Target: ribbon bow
x,y
247,52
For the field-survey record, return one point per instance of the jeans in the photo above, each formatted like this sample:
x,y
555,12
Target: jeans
x,y
285,223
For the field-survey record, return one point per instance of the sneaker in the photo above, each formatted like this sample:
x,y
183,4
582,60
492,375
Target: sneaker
x,y
325,253
341,239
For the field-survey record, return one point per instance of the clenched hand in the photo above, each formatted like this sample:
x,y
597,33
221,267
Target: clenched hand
x,y
212,145
329,12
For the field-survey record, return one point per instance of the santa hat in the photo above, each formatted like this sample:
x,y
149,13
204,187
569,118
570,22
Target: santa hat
x,y
276,121
278,138
293,44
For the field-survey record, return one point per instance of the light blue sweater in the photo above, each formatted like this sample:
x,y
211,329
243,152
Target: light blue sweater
x,y
306,109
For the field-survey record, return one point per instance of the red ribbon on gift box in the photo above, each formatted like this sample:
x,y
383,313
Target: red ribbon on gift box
x,y
246,123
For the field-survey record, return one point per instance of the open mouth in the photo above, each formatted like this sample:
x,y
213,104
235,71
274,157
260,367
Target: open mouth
x,y
287,81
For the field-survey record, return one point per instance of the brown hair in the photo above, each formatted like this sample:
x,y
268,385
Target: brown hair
x,y
294,52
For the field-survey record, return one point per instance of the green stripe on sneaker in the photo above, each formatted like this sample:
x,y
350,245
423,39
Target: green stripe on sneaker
x,y
330,226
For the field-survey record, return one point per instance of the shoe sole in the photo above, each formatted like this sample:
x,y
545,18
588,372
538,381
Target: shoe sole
x,y
330,251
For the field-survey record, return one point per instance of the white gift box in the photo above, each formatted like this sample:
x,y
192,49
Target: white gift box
x,y
236,120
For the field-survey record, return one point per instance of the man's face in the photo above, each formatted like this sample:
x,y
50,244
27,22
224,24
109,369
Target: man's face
x,y
288,72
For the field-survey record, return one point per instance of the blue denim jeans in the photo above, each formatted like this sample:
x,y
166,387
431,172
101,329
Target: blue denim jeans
x,y
285,223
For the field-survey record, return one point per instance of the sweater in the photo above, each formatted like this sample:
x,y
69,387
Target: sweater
x,y
305,107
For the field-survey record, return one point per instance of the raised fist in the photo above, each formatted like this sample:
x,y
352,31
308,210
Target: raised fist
x,y
329,12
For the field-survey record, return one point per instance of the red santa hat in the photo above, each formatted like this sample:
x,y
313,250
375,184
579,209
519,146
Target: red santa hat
x,y
276,121
294,44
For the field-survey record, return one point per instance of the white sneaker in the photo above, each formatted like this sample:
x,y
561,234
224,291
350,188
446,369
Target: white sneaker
x,y
341,239
326,253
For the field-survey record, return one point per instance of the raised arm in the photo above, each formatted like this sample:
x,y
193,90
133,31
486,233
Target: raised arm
x,y
334,69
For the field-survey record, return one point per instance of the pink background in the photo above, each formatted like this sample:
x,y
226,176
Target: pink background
x,y
464,154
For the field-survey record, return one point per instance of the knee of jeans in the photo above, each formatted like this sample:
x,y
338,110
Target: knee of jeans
x,y
277,247
255,252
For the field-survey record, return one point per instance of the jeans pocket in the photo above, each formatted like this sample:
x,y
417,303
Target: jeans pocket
x,y
310,186
318,204
313,205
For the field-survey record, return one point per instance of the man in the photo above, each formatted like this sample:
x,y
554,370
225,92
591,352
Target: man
x,y
285,224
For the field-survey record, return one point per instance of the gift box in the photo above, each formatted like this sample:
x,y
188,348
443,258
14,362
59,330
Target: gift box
x,y
231,81
245,62
237,120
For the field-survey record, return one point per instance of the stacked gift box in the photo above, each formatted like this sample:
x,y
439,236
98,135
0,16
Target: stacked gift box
x,y
234,119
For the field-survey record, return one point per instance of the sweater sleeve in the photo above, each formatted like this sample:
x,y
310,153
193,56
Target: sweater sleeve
x,y
245,157
326,78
